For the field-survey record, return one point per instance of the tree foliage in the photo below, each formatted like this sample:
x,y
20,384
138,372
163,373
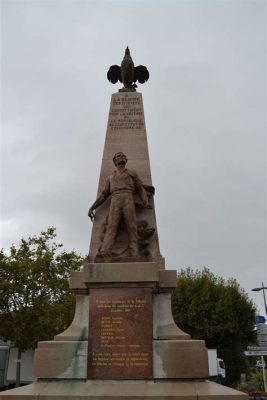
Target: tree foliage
x,y
211,308
256,378
35,300
218,311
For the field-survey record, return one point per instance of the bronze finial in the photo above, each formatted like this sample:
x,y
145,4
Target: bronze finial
x,y
128,73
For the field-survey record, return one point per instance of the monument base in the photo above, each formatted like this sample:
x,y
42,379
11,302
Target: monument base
x,y
132,390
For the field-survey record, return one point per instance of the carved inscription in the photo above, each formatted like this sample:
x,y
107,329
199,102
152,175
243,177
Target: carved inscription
x,y
120,334
126,113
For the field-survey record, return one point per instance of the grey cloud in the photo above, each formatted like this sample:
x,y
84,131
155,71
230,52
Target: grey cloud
x,y
205,117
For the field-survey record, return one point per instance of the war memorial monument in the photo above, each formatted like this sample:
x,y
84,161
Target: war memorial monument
x,y
123,342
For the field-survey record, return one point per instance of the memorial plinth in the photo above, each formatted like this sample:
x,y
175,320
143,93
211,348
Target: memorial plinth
x,y
123,342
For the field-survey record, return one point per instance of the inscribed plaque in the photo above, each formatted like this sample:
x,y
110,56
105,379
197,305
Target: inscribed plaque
x,y
126,113
120,334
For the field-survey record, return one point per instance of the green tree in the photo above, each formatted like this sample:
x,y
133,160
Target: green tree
x,y
35,300
256,379
218,311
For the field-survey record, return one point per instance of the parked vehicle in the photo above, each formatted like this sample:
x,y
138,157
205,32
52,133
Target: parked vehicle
x,y
216,367
4,351
8,363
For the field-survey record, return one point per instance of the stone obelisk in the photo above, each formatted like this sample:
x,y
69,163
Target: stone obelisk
x,y
123,342
126,132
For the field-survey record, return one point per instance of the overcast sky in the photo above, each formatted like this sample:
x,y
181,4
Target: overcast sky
x,y
205,110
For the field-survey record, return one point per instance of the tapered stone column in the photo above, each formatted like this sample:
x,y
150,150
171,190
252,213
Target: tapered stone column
x,y
126,132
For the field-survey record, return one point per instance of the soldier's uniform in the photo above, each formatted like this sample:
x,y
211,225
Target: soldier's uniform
x,y
121,185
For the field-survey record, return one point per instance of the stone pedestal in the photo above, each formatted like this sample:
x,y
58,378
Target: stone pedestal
x,y
179,364
172,355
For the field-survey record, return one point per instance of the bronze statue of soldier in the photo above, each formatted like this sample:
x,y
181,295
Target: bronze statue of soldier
x,y
121,186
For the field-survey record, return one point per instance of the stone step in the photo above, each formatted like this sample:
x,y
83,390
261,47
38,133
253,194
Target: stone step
x,y
131,390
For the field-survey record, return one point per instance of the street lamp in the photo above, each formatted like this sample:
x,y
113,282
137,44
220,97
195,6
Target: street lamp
x,y
257,289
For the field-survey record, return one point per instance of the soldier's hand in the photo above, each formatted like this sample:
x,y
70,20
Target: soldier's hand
x,y
91,214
